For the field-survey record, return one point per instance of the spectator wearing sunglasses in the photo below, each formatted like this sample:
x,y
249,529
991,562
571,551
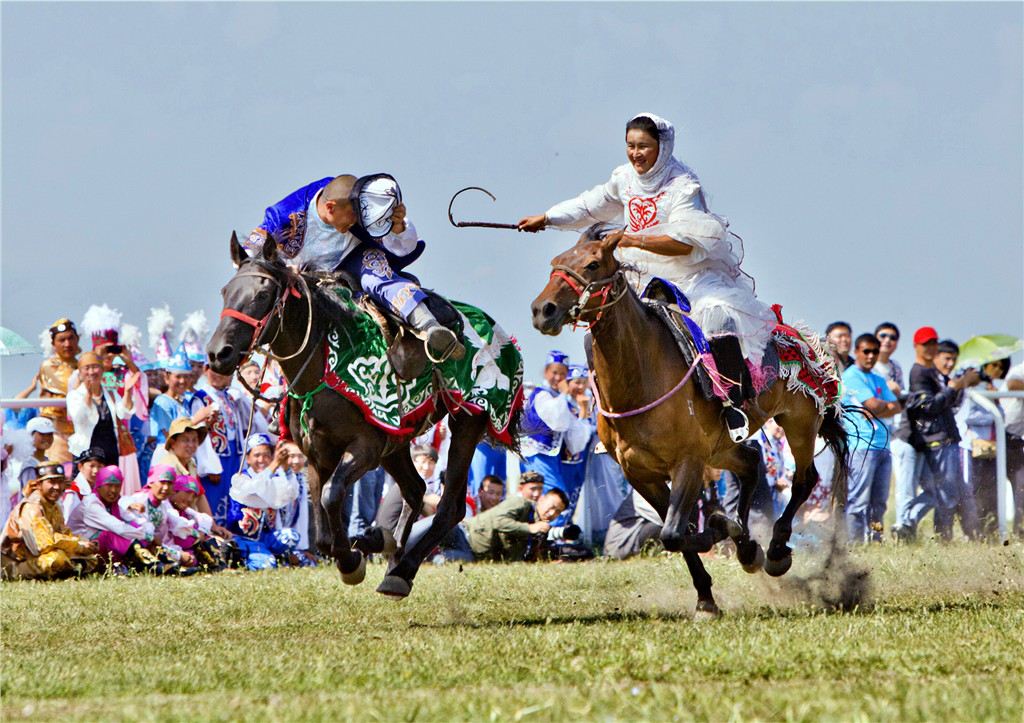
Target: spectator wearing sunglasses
x,y
870,463
888,335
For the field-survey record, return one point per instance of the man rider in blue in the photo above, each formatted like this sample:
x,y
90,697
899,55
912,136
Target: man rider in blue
x,y
558,434
359,226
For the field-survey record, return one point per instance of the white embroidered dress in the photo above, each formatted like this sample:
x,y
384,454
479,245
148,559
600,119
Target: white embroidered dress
x,y
668,201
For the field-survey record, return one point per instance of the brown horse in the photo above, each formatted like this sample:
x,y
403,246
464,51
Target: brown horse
x,y
636,363
269,303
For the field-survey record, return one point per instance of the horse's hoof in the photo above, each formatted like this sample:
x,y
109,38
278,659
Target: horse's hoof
x,y
390,543
758,561
395,587
778,568
356,576
706,611
724,525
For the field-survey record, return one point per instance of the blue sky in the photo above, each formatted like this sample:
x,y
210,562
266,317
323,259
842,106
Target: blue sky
x,y
870,155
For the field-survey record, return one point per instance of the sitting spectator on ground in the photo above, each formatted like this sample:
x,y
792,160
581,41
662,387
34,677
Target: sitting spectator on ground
x,y
89,463
424,457
636,523
870,462
929,426
839,339
206,547
42,431
531,485
492,491
257,493
153,504
98,519
296,514
503,532
183,440
36,543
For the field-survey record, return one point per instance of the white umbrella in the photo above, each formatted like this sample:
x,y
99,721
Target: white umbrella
x,y
12,344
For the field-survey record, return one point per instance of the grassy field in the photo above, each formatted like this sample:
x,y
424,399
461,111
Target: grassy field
x,y
940,636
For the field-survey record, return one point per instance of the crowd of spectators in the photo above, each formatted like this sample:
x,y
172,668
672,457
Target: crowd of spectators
x,y
169,468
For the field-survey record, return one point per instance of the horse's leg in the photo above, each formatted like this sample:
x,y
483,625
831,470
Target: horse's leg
x,y
744,462
357,460
321,523
466,433
399,465
800,433
677,537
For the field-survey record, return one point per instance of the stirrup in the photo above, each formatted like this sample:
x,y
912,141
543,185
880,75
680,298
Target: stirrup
x,y
441,343
737,422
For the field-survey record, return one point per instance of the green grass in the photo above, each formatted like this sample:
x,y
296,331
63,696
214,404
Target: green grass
x,y
941,637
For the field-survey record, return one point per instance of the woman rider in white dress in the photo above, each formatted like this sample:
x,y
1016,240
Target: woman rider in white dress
x,y
671,234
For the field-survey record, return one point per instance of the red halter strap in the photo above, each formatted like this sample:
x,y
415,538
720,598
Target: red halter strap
x,y
585,291
258,325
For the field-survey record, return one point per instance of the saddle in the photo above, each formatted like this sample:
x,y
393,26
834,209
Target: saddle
x,y
672,307
406,352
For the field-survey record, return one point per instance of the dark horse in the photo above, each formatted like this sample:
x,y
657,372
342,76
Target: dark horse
x,y
267,302
636,363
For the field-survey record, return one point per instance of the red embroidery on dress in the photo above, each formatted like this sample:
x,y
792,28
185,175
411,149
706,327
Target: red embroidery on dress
x,y
643,212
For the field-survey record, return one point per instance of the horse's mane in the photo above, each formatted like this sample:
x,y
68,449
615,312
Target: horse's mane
x,y
598,231
326,304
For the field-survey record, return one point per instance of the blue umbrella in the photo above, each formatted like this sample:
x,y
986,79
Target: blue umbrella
x,y
12,344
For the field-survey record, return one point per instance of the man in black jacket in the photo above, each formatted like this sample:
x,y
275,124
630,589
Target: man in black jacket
x,y
929,426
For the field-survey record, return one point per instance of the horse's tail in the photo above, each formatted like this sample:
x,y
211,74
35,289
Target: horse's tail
x,y
515,426
836,439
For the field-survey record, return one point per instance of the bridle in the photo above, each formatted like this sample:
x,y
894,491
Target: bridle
x,y
613,286
260,326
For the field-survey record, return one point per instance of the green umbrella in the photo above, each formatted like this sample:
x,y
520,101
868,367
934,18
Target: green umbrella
x,y
12,344
980,350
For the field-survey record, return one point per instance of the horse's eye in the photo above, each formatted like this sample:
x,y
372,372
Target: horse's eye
x,y
593,266
262,294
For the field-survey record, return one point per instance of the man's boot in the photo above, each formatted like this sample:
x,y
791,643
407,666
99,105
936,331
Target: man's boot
x,y
440,341
140,559
732,367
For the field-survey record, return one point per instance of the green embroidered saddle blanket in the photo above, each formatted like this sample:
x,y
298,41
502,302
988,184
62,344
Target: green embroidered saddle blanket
x,y
487,380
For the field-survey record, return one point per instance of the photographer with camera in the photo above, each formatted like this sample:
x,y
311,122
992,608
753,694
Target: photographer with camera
x,y
929,426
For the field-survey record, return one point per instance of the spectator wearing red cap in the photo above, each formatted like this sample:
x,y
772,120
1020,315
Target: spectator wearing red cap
x,y
929,427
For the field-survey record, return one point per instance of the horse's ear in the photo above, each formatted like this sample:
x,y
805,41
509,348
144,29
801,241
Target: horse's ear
x,y
238,254
269,252
611,241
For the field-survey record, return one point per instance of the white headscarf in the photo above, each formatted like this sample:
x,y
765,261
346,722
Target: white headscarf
x,y
651,181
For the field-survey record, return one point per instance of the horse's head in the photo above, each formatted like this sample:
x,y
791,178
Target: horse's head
x,y
581,280
252,305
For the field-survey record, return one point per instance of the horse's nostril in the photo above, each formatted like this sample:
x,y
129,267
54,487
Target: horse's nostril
x,y
548,310
224,353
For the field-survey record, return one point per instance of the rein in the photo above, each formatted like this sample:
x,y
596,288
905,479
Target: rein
x,y
614,285
648,407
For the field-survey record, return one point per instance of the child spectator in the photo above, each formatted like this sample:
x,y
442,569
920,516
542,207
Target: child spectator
x,y
257,493
152,504
98,518
42,431
206,549
89,463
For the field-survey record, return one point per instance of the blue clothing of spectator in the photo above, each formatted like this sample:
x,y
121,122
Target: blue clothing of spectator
x,y
860,386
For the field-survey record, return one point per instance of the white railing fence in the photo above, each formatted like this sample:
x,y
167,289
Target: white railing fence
x,y
1004,492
